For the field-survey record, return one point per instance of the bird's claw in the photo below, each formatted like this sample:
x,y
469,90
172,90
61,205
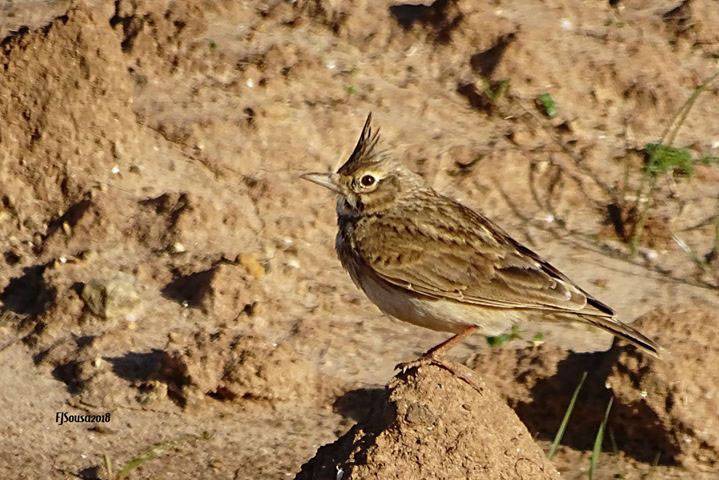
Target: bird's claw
x,y
459,371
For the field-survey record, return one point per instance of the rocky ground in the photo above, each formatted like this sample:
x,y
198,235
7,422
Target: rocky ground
x,y
162,261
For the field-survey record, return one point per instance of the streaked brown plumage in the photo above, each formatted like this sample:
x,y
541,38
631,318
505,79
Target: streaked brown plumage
x,y
426,259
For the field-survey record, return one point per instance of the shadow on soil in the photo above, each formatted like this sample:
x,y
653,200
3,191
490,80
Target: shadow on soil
x,y
633,429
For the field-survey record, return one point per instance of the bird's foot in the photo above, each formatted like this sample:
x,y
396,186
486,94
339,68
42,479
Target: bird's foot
x,y
419,362
459,371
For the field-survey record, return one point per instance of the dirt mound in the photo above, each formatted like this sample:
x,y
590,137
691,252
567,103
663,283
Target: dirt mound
x,y
538,384
65,100
432,425
515,372
235,367
89,195
94,227
672,403
192,369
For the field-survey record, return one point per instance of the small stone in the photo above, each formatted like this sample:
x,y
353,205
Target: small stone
x,y
252,265
93,294
152,392
114,298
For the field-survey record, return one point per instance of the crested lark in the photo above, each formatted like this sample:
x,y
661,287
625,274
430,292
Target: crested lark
x,y
426,259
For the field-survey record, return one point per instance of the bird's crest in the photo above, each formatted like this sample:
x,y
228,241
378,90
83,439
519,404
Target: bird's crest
x,y
365,150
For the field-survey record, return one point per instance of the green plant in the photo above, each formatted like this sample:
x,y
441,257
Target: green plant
x,y
662,158
565,419
598,440
495,90
499,340
547,105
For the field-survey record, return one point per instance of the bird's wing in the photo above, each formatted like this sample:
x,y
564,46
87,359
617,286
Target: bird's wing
x,y
444,250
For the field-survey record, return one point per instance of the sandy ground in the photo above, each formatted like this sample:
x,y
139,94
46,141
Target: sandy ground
x,y
162,261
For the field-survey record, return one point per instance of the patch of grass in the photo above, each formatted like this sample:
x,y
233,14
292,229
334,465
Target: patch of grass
x,y
496,89
565,419
350,89
499,340
547,105
598,440
212,44
664,159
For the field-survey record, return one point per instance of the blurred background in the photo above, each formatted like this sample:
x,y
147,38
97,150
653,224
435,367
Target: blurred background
x,y
161,260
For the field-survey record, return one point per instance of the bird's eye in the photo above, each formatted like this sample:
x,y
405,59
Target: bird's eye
x,y
367,180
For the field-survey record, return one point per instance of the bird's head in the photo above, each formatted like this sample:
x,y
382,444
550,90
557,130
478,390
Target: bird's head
x,y
370,180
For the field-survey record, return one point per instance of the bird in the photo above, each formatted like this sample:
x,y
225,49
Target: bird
x,y
424,258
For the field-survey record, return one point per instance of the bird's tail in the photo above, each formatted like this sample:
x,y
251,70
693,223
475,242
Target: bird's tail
x,y
625,332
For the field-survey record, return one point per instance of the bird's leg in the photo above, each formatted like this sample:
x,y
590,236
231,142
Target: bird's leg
x,y
450,342
433,357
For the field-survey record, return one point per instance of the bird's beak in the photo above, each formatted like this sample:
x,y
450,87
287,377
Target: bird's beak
x,y
327,180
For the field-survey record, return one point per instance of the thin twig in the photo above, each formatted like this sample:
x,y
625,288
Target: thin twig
x,y
549,130
707,222
716,231
108,465
670,133
590,243
649,177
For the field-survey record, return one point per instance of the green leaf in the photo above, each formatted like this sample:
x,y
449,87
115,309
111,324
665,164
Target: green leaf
x,y
598,440
565,420
547,104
